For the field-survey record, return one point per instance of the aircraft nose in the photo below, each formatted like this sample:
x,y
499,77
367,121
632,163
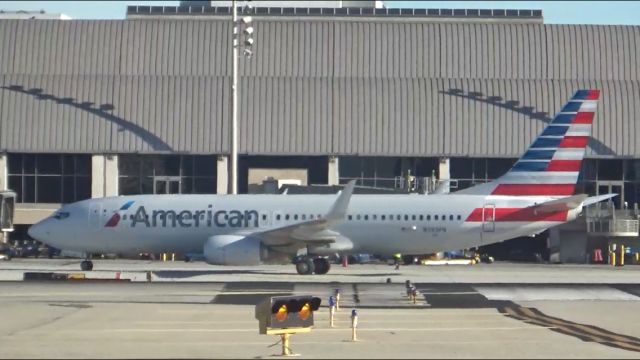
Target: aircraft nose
x,y
38,231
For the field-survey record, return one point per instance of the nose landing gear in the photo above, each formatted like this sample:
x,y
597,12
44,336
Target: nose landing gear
x,y
86,265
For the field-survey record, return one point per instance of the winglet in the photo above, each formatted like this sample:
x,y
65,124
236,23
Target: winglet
x,y
339,208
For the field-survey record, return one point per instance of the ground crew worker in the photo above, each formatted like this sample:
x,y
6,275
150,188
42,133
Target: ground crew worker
x,y
396,260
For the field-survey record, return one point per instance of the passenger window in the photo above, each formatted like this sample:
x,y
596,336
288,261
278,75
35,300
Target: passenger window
x,y
382,217
375,217
399,217
286,217
295,217
366,217
264,217
350,217
444,217
459,217
358,216
406,218
451,217
421,217
278,217
435,217
413,217
304,216
428,217
311,216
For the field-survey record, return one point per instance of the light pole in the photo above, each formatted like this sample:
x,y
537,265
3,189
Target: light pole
x,y
248,31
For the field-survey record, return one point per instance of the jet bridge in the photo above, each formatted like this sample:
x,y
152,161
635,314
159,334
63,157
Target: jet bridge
x,y
7,210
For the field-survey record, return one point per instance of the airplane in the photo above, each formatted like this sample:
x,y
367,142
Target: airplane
x,y
535,194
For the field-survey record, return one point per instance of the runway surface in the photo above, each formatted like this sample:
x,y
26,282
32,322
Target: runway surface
x,y
370,273
215,319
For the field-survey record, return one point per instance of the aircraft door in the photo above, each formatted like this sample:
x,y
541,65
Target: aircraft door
x,y
95,216
488,218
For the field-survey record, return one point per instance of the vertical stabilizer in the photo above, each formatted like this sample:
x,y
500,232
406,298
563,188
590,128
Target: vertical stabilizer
x,y
551,165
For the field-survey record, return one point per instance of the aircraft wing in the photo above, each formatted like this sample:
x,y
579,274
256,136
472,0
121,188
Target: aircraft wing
x,y
317,231
570,203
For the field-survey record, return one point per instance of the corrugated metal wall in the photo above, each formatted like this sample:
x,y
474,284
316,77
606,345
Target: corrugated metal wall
x,y
313,87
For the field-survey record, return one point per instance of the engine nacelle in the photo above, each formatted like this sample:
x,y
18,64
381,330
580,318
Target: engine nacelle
x,y
233,250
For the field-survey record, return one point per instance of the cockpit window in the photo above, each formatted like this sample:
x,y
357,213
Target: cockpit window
x,y
61,215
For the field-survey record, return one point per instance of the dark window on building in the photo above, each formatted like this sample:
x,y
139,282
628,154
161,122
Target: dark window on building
x,y
609,169
162,174
49,178
499,167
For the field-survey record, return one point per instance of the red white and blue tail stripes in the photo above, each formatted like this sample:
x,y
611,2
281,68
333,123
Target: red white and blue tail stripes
x,y
551,165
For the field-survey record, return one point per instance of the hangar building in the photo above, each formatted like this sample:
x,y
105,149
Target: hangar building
x,y
92,108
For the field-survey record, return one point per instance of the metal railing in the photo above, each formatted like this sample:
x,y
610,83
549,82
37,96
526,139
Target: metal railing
x,y
351,11
604,219
613,227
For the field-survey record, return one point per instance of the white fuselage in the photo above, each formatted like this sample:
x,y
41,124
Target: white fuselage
x,y
377,224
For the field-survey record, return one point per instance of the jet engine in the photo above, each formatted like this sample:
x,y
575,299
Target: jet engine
x,y
233,250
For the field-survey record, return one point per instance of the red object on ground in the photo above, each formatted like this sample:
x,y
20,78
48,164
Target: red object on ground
x,y
597,255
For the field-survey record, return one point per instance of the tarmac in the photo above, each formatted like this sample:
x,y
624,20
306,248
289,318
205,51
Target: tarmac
x,y
193,310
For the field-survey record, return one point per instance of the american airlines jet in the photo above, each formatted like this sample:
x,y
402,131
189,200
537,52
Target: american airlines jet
x,y
536,194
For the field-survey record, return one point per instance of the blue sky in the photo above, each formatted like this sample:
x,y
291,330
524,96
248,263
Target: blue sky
x,y
555,12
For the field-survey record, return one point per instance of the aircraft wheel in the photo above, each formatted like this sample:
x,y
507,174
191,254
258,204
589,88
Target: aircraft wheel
x,y
305,267
86,265
321,265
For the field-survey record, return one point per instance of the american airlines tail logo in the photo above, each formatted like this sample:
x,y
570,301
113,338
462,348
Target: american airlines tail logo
x,y
115,219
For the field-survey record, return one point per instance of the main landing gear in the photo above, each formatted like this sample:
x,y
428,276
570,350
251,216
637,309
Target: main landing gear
x,y
306,265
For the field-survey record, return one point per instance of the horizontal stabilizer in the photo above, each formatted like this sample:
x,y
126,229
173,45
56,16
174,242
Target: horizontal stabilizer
x,y
595,199
570,203
564,204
